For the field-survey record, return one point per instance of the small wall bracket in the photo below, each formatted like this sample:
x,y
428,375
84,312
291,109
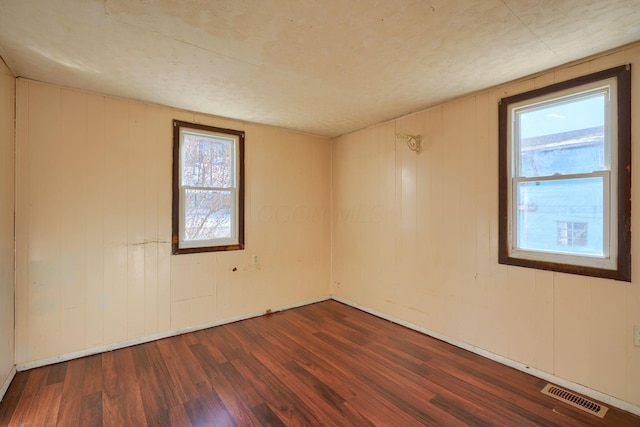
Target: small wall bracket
x,y
413,141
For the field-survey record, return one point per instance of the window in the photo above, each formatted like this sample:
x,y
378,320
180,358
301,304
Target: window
x,y
208,188
565,176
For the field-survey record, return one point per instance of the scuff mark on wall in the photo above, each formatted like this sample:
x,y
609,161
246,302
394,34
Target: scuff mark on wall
x,y
147,242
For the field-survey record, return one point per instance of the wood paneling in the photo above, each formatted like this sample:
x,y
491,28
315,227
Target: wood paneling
x,y
446,199
7,228
94,225
322,364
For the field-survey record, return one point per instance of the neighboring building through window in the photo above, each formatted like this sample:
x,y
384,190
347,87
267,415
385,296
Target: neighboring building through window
x,y
572,233
208,205
565,176
543,206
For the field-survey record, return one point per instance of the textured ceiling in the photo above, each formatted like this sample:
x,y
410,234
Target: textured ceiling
x,y
325,67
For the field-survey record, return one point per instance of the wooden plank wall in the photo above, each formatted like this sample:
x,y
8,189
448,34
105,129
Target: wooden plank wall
x,y
7,145
415,238
94,224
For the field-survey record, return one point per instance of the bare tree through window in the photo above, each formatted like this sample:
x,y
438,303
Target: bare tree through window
x,y
208,180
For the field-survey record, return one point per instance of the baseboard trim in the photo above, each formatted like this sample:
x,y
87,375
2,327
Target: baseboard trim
x,y
7,382
578,388
115,346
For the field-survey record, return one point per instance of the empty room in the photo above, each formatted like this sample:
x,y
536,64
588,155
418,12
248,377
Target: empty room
x,y
280,212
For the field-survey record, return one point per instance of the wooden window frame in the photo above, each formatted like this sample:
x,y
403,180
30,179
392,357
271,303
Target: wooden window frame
x,y
176,208
622,270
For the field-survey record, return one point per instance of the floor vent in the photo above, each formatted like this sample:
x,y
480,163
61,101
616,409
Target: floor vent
x,y
574,400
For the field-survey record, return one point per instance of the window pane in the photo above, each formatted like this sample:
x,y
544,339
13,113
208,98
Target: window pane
x,y
208,214
565,137
563,216
207,161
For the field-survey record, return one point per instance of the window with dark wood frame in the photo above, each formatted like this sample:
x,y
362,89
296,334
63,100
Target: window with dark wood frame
x,y
546,171
208,188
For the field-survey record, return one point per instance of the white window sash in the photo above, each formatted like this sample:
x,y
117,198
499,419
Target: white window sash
x,y
233,190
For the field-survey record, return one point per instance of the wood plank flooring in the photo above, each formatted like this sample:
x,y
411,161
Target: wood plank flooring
x,y
322,364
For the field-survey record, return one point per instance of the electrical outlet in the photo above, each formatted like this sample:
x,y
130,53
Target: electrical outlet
x,y
254,259
636,335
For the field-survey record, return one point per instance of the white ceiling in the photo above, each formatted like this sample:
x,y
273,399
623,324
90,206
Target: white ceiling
x,y
326,67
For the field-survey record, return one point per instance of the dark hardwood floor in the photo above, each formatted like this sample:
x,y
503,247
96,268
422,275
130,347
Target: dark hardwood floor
x,y
322,364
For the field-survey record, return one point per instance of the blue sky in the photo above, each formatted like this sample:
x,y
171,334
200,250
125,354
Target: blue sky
x,y
563,117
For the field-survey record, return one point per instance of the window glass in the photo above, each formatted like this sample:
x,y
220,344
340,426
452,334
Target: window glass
x,y
207,161
563,137
542,205
208,215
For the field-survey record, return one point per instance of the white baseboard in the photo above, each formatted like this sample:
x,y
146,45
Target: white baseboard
x,y
7,382
578,388
115,346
